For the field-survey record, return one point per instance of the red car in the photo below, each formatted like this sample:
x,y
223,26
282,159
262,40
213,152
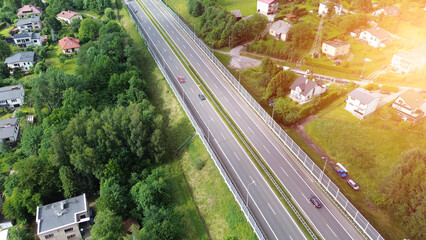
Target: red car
x,y
135,11
181,79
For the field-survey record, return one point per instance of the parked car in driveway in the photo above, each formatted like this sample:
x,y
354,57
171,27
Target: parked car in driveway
x,y
314,200
181,79
353,184
202,97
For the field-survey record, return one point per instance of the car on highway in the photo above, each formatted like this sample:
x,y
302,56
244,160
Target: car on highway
x,y
181,79
135,11
314,200
353,184
202,97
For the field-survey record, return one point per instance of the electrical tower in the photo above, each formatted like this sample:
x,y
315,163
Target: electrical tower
x,y
316,46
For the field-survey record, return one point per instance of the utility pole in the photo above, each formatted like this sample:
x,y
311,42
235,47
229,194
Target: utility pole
x,y
316,46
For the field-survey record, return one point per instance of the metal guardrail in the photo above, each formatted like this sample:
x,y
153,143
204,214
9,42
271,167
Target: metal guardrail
x,y
301,156
187,105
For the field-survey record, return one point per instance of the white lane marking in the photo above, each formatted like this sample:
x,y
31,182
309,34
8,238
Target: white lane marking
x,y
238,114
226,99
331,230
190,54
272,209
250,129
237,157
164,49
192,90
198,64
284,171
149,28
170,58
184,46
252,180
222,136
266,149
215,85
290,237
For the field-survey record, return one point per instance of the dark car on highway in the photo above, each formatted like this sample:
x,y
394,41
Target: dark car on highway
x,y
201,96
314,200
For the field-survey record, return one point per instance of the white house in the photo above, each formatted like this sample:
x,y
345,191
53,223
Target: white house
x,y
375,37
323,9
336,48
406,61
303,89
267,7
22,61
68,16
9,130
280,29
66,219
389,11
28,24
361,103
12,96
29,10
27,39
408,104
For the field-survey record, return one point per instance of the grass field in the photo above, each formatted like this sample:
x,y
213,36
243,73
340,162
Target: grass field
x,y
247,8
369,149
199,191
5,31
52,60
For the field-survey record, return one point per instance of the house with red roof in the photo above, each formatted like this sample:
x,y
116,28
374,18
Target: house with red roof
x,y
267,7
29,10
69,45
68,16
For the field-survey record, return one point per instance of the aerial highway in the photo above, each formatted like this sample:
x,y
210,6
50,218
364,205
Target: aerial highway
x,y
267,209
327,221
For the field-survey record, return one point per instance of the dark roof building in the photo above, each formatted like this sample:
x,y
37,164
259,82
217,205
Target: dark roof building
x,y
237,14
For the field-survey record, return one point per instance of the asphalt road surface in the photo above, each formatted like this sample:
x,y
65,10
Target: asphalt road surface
x,y
328,221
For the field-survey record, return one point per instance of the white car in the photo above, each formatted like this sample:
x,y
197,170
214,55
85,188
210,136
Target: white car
x,y
353,184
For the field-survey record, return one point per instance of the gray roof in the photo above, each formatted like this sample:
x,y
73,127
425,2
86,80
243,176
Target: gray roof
x,y
362,95
7,127
60,214
281,27
28,20
305,85
11,92
20,57
336,43
30,34
236,13
378,33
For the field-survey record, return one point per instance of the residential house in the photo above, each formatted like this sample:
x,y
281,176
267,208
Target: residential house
x,y
63,220
406,61
335,49
323,9
408,105
9,130
303,89
12,96
237,14
267,7
4,234
28,24
29,10
375,37
68,16
24,40
361,103
22,61
280,29
69,45
355,33
388,11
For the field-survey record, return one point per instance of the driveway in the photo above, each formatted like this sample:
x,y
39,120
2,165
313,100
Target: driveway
x,y
239,62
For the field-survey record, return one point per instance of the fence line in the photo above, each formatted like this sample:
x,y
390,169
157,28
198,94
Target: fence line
x,y
204,129
301,156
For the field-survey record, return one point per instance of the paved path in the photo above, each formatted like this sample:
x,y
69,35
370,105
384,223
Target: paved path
x,y
240,62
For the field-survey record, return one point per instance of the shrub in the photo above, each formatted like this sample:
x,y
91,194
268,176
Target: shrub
x,y
199,164
371,86
390,88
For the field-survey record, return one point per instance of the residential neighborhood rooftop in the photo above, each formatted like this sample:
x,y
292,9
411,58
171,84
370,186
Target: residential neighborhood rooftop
x,y
281,27
236,13
28,20
267,1
67,14
29,9
412,98
10,92
20,57
69,42
336,43
29,34
59,214
7,127
305,85
362,95
378,32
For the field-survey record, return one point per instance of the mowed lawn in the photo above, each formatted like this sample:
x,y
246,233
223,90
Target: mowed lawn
x,y
369,150
52,60
247,7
